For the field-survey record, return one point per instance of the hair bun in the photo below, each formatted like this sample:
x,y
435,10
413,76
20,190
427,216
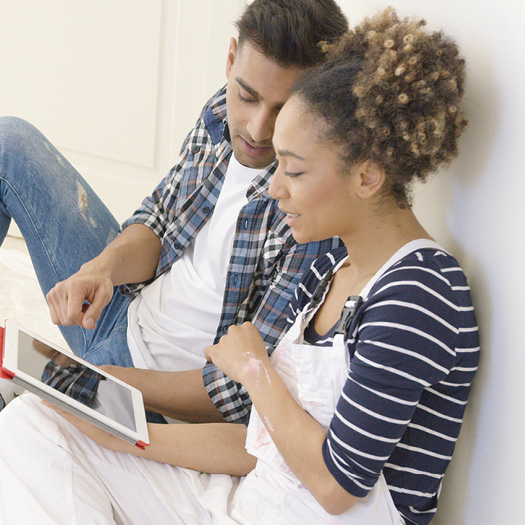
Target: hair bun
x,y
408,92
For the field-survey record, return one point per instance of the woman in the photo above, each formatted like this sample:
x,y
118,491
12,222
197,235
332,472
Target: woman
x,y
357,411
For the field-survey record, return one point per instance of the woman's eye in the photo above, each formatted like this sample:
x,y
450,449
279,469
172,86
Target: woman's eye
x,y
293,174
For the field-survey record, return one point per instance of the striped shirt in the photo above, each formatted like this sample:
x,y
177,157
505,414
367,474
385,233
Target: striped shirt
x,y
266,263
414,349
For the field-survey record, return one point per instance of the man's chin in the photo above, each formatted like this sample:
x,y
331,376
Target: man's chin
x,y
253,158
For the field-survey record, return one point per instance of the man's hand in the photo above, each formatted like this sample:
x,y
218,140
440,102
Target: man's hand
x,y
131,257
79,300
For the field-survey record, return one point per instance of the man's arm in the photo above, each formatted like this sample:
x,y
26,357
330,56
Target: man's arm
x,y
176,394
131,257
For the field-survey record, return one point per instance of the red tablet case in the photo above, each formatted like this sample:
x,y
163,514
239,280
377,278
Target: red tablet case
x,y
4,373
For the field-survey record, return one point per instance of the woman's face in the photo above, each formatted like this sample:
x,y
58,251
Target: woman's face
x,y
316,196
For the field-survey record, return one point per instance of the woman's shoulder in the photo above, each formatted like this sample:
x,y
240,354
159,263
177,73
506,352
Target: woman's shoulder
x,y
323,265
311,278
329,261
431,268
427,283
419,315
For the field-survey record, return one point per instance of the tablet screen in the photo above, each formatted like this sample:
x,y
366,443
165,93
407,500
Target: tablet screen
x,y
62,372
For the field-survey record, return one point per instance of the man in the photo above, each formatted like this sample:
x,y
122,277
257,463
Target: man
x,y
207,250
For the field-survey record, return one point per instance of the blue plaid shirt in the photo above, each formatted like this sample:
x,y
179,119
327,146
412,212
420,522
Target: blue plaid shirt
x,y
266,263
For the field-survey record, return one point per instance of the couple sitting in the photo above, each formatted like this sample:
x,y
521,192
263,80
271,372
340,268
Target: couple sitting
x,y
354,416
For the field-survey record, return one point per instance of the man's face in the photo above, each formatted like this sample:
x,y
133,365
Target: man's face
x,y
256,91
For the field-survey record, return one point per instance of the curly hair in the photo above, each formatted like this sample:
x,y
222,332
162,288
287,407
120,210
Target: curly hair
x,y
391,93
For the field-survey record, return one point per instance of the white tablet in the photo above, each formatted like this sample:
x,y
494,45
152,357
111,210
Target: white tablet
x,y
72,384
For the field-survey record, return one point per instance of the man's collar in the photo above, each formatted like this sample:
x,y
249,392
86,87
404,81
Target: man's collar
x,y
226,132
260,185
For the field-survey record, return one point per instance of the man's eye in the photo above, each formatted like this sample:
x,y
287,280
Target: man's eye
x,y
244,99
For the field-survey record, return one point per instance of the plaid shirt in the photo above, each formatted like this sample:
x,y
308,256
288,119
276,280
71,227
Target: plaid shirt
x,y
265,264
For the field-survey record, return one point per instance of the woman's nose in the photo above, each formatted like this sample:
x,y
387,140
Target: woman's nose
x,y
277,188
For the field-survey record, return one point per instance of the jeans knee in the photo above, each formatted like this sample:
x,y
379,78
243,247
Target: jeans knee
x,y
22,146
14,130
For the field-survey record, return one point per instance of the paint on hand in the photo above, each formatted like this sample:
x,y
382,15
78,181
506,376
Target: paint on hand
x,y
253,367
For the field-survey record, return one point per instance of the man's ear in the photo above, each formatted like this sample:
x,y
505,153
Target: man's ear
x,y
232,52
371,179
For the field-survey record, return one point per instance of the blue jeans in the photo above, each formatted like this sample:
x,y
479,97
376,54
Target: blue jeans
x,y
64,225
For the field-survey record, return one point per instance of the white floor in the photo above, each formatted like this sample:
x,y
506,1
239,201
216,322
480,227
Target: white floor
x,y
15,243
20,296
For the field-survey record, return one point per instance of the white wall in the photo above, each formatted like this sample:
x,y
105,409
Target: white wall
x,y
117,83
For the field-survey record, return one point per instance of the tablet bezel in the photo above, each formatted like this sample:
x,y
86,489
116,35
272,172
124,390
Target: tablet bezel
x,y
9,369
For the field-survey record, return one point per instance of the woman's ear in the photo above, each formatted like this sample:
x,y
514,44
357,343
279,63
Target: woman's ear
x,y
230,59
371,179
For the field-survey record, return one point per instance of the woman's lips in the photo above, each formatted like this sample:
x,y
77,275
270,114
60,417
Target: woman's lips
x,y
290,218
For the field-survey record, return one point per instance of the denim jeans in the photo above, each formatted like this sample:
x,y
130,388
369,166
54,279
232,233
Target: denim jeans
x,y
64,225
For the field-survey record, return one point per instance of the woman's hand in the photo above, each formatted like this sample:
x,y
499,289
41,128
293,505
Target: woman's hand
x,y
241,353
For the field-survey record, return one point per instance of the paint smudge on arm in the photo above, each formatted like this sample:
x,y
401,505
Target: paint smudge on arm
x,y
253,367
268,424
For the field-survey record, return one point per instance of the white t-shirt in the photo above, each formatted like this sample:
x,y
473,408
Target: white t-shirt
x,y
174,318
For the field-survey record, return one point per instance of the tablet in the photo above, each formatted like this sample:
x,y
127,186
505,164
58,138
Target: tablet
x,y
72,384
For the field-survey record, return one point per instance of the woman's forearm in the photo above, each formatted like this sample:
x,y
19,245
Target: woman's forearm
x,y
297,435
209,448
242,354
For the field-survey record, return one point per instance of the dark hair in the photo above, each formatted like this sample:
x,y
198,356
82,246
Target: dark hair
x,y
391,93
290,31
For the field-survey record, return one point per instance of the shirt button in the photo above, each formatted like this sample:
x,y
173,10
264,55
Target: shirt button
x,y
195,149
177,246
205,210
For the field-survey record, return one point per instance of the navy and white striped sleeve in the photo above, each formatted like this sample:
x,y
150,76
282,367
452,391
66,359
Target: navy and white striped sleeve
x,y
403,346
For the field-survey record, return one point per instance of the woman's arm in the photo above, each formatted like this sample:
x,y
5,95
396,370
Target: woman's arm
x,y
242,355
209,448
